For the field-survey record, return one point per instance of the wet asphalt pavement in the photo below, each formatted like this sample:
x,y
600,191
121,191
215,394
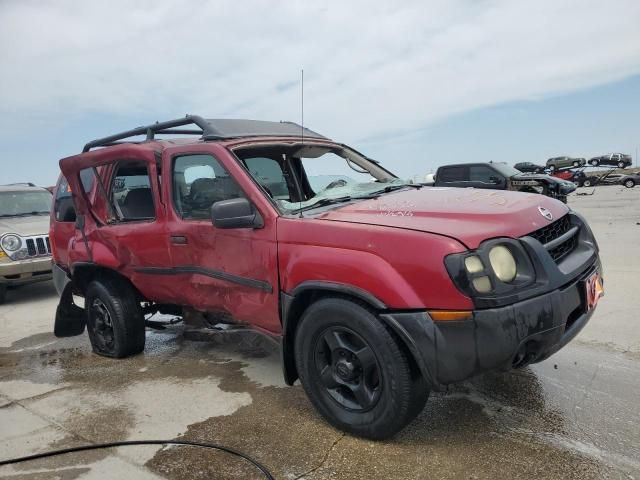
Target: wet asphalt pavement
x,y
576,415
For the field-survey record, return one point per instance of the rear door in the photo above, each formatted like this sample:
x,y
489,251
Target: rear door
x,y
120,220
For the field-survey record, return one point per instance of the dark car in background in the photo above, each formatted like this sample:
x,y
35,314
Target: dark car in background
x,y
500,176
631,180
619,160
565,162
528,167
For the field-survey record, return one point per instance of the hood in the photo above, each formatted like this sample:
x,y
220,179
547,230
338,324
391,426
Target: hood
x,y
467,214
25,226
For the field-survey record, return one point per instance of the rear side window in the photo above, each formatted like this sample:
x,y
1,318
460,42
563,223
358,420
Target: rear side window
x,y
198,182
64,209
452,174
131,193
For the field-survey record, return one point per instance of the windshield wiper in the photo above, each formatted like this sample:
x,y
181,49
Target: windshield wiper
x,y
327,201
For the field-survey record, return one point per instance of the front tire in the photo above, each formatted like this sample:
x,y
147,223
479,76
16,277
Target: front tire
x,y
595,163
115,322
354,371
629,183
621,164
586,183
576,164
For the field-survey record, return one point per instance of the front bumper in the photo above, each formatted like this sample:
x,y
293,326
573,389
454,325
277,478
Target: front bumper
x,y
495,338
21,272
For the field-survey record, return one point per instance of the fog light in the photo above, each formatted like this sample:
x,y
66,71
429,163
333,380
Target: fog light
x,y
482,284
503,263
473,264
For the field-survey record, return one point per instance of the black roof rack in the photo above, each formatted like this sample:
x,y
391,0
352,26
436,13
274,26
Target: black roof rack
x,y
209,129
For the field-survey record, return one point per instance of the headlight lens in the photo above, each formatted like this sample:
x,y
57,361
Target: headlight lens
x,y
503,263
11,243
473,264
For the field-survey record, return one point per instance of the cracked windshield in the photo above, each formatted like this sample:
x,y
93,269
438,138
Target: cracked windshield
x,y
322,177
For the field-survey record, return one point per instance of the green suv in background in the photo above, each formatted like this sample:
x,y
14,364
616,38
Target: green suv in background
x,y
556,163
25,250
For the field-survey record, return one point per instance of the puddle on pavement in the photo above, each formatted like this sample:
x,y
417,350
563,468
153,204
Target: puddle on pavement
x,y
495,425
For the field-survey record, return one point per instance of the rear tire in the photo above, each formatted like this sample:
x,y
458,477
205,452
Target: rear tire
x,y
586,183
595,163
576,164
629,183
621,164
115,322
354,371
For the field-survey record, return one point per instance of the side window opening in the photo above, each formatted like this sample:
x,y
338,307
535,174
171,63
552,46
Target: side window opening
x,y
452,174
64,209
269,174
482,174
131,194
198,182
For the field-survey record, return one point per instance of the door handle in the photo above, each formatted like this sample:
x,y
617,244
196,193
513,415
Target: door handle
x,y
179,240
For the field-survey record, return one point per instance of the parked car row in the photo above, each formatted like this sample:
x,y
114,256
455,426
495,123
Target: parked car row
x,y
619,160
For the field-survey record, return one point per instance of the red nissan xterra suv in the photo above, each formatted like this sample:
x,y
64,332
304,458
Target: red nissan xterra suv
x,y
379,290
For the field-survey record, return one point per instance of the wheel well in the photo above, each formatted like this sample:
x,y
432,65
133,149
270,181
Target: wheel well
x,y
295,306
83,275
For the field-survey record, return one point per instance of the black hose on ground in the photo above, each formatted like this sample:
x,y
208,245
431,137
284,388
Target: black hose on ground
x,y
99,446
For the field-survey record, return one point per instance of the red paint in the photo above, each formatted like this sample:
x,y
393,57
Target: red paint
x,y
391,247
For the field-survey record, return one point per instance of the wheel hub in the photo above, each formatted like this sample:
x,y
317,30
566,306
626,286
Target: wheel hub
x,y
345,370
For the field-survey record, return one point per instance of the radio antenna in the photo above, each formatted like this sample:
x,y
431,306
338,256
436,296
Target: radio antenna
x,y
301,132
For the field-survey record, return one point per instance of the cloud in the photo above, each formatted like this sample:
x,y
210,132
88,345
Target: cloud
x,y
370,69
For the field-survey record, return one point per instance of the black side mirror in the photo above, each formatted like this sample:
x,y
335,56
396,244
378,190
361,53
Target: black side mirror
x,y
235,213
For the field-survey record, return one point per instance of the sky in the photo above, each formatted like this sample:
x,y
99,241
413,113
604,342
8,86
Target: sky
x,y
414,84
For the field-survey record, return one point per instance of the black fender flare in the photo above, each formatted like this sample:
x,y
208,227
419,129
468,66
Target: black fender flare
x,y
412,328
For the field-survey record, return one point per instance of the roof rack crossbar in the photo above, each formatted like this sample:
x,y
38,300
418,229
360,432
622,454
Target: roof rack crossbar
x,y
150,131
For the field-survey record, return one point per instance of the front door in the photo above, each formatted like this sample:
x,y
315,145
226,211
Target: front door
x,y
229,272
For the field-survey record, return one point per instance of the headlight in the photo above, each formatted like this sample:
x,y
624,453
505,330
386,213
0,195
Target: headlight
x,y
494,273
503,263
11,243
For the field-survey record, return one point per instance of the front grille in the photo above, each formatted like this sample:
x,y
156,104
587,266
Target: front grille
x,y
552,231
38,246
548,234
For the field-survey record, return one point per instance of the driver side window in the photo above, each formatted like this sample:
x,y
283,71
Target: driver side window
x,y
198,182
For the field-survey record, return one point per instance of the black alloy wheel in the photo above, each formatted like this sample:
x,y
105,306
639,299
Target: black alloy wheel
x,y
355,370
115,322
348,368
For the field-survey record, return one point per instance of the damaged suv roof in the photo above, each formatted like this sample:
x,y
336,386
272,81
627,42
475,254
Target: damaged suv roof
x,y
209,129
